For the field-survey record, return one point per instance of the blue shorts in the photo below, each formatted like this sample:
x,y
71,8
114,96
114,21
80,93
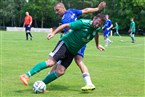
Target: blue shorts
x,y
106,33
81,51
27,28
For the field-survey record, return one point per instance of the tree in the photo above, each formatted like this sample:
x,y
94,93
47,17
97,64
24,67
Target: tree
x,y
12,12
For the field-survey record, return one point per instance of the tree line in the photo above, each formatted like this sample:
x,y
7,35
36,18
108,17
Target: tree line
x,y
12,12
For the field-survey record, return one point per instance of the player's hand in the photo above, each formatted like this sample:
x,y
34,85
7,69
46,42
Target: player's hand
x,y
102,5
101,48
108,29
50,35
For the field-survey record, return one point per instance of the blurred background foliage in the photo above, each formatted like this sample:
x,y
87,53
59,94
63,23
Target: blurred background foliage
x,y
12,12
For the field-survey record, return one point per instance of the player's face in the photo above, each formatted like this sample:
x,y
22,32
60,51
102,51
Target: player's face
x,y
107,17
27,13
59,10
97,22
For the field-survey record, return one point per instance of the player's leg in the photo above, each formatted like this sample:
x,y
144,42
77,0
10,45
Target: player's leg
x,y
26,36
37,68
40,66
59,71
132,37
106,34
54,67
26,28
84,70
110,41
29,29
117,32
106,40
30,35
61,68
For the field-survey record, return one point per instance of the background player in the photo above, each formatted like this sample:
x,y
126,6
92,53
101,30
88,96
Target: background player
x,y
116,29
132,30
28,23
107,28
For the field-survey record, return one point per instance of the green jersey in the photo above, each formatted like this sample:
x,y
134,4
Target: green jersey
x,y
116,26
81,33
132,26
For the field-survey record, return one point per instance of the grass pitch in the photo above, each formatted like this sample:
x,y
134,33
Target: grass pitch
x,y
117,72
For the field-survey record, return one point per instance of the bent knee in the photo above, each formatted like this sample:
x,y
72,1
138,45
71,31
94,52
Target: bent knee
x,y
78,59
60,72
50,63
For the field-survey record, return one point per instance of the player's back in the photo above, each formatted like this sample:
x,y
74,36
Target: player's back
x,y
108,23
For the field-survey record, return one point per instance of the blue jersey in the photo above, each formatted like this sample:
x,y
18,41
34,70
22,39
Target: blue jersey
x,y
70,15
107,24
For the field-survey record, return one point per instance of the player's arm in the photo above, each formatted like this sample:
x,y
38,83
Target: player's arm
x,y
24,23
110,27
130,28
57,30
89,10
100,47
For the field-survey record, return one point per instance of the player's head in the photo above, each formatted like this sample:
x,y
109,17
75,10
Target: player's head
x,y
98,20
27,13
59,9
131,19
107,16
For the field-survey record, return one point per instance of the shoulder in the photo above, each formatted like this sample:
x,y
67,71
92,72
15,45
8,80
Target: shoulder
x,y
73,10
109,20
85,20
30,16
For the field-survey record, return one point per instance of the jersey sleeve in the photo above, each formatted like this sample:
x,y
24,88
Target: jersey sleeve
x,y
110,23
31,19
76,25
77,12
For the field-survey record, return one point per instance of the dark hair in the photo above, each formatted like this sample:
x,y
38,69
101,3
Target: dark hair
x,y
101,16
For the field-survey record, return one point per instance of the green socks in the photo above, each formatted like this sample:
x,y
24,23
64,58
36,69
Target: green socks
x,y
50,77
40,66
37,68
132,38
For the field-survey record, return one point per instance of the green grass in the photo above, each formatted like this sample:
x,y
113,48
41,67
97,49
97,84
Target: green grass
x,y
117,72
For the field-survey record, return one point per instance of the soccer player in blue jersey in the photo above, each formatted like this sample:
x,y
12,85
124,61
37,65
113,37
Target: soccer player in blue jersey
x,y
107,29
68,16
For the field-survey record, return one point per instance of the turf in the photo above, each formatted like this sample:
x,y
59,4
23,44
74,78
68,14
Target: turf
x,y
117,72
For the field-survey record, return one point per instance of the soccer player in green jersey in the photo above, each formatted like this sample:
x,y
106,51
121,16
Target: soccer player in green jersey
x,y
132,30
117,28
82,31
